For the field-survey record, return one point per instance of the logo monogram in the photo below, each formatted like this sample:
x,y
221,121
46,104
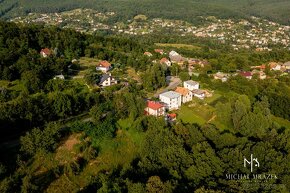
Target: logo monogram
x,y
257,164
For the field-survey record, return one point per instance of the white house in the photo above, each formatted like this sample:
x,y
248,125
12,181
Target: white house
x,y
171,99
191,85
199,93
155,108
185,93
103,66
107,80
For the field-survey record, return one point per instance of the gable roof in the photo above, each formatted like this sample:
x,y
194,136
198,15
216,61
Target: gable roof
x,y
170,94
191,82
104,78
246,74
198,91
104,63
154,105
164,60
286,64
181,90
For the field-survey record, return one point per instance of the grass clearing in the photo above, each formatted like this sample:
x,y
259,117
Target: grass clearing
x,y
282,122
184,46
199,114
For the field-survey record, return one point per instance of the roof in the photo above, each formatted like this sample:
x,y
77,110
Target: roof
x,y
104,78
182,91
45,51
246,74
164,60
170,94
198,91
158,50
147,54
154,105
104,63
172,115
286,64
191,82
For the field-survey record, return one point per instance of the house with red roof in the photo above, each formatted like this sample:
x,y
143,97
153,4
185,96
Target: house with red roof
x,y
45,52
155,108
148,54
247,75
103,66
165,61
160,51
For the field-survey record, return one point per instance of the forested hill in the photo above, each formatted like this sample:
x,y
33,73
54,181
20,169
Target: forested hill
x,y
276,10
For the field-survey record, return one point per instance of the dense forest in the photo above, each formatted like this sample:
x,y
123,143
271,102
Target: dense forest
x,y
186,9
75,138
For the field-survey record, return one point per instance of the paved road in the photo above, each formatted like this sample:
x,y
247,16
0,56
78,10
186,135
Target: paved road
x,y
173,83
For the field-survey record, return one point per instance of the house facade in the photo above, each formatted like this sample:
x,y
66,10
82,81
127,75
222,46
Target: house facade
x,y
107,80
186,94
155,109
103,66
191,85
171,99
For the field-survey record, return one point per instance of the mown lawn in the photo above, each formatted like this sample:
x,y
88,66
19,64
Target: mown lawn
x,y
199,114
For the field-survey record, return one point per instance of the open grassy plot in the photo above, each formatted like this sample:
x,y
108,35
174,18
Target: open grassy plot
x,y
282,122
184,46
195,114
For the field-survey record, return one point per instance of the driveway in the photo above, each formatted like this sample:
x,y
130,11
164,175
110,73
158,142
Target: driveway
x,y
173,83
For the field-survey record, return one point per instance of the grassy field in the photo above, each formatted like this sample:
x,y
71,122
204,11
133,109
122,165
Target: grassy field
x,y
184,46
199,114
282,122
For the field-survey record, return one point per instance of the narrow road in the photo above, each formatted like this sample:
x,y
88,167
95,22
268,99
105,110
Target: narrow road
x,y
173,83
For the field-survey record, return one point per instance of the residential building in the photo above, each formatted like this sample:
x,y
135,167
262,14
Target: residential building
x,y
59,77
171,99
165,61
247,75
148,54
186,94
160,51
199,93
191,85
221,76
155,108
287,65
103,66
107,80
45,52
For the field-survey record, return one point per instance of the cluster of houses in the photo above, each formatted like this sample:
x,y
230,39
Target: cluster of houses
x,y
172,100
177,58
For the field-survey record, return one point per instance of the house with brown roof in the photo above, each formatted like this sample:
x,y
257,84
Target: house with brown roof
x,y
103,66
185,93
45,52
155,108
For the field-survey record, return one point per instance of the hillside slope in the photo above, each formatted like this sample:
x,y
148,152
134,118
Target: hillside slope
x,y
278,10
